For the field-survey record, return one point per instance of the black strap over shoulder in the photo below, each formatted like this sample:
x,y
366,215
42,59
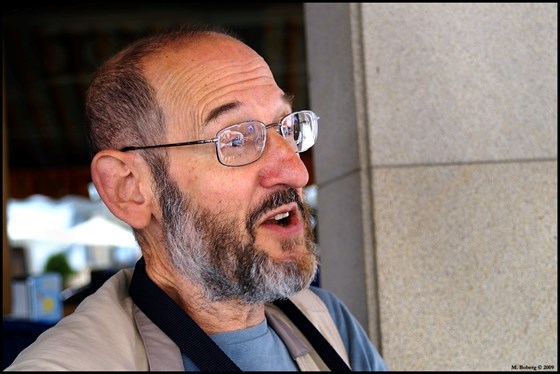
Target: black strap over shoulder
x,y
328,354
195,343
177,324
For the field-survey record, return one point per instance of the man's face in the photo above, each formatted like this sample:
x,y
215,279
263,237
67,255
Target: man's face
x,y
213,253
244,229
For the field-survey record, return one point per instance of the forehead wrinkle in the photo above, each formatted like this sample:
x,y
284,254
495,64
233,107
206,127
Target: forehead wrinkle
x,y
190,77
172,93
248,77
174,87
178,85
214,96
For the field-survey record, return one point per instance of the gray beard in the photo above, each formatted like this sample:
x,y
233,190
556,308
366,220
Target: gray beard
x,y
211,251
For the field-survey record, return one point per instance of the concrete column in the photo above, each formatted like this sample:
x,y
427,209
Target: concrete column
x,y
436,168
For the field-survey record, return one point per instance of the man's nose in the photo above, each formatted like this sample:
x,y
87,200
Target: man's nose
x,y
280,164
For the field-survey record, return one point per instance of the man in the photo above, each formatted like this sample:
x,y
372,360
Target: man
x,y
196,148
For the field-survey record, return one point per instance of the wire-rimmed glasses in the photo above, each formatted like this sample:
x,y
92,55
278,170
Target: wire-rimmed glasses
x,y
243,143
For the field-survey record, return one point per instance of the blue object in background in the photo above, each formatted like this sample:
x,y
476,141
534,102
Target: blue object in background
x,y
37,297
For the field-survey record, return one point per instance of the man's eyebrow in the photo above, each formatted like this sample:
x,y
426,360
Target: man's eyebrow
x,y
288,98
221,110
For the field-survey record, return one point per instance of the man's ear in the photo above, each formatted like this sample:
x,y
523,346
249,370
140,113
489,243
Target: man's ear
x,y
123,183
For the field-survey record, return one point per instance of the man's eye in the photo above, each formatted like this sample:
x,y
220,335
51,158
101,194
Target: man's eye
x,y
286,131
232,139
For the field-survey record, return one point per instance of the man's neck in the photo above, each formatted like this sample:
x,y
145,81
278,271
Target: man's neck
x,y
212,317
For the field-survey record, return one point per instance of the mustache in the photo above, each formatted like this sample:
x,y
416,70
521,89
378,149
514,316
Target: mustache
x,y
274,201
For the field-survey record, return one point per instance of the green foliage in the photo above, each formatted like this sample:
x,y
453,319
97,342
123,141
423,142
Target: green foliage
x,y
58,263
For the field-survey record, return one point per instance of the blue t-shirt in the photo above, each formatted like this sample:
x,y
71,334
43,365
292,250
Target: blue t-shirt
x,y
259,348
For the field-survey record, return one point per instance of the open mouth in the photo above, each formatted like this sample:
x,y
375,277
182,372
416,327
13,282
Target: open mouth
x,y
284,220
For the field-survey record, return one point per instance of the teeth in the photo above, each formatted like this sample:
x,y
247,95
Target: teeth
x,y
280,216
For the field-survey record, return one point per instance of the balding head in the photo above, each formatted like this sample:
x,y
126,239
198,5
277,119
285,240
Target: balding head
x,y
122,108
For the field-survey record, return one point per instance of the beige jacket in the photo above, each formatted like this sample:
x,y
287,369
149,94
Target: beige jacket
x,y
107,331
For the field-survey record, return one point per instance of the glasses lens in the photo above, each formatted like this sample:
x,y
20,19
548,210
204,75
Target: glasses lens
x,y
300,129
241,144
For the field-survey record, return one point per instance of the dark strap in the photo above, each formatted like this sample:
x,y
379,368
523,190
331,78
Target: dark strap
x,y
195,343
328,354
177,324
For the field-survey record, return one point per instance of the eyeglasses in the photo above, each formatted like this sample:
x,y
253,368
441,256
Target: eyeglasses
x,y
243,143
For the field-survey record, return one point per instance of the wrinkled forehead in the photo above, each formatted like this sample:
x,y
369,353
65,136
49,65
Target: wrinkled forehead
x,y
192,79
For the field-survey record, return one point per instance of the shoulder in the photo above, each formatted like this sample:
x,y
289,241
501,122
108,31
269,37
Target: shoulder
x,y
338,310
343,318
99,335
362,353
326,296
